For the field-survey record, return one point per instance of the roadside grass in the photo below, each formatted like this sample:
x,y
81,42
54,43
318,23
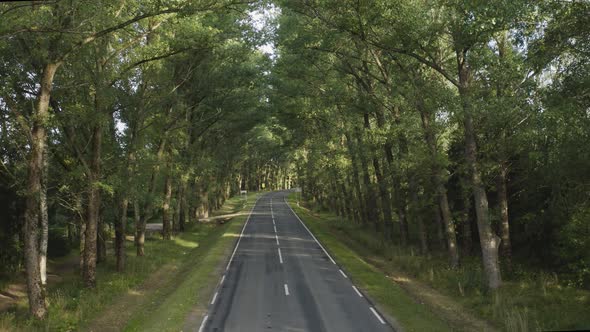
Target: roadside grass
x,y
389,297
71,306
527,301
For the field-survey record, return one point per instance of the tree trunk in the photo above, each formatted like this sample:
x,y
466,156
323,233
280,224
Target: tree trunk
x,y
370,197
35,289
44,220
139,228
505,246
423,235
148,204
489,241
166,227
184,206
177,208
120,226
101,240
356,179
466,224
92,210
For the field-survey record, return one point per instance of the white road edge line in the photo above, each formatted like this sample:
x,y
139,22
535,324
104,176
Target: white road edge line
x,y
286,290
214,297
241,234
277,237
326,252
377,315
357,291
280,256
344,275
222,280
203,323
310,233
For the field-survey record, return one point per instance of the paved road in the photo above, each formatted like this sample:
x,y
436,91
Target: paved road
x,y
281,279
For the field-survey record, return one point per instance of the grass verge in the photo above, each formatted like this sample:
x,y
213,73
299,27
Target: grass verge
x,y
182,266
527,301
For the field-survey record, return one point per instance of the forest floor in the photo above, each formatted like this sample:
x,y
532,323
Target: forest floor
x,y
528,302
150,295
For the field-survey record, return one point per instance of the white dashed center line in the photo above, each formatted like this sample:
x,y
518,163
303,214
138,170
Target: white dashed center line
x,y
280,256
287,290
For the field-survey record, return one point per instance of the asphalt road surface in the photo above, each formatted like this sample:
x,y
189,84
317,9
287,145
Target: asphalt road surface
x,y
279,278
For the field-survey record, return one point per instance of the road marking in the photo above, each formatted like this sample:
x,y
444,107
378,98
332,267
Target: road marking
x,y
275,227
357,291
203,323
241,234
214,297
286,290
342,273
222,280
377,315
310,233
280,256
277,237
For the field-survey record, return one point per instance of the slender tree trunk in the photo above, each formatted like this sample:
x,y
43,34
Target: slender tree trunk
x,y
120,235
139,228
166,227
184,206
370,197
44,220
148,205
101,240
438,223
92,210
488,240
423,235
505,246
356,179
441,190
35,289
466,224
177,208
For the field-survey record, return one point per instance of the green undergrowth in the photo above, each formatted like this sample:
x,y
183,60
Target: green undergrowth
x,y
389,296
191,256
528,300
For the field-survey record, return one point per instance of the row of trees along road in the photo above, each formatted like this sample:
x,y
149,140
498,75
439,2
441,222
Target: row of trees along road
x,y
447,124
115,113
442,125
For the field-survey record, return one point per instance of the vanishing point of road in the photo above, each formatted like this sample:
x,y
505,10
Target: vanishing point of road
x,y
280,278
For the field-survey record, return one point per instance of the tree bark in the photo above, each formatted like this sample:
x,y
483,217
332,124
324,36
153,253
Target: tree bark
x,y
488,240
139,238
146,212
44,220
92,210
166,227
120,226
35,289
505,246
440,188
423,235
